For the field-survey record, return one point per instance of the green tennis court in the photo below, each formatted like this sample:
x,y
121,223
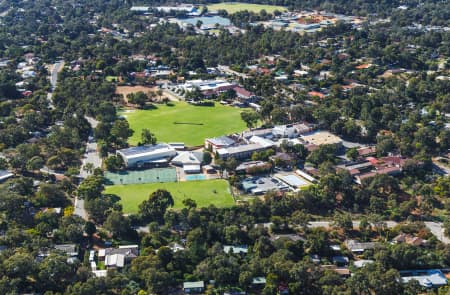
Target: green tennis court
x,y
141,176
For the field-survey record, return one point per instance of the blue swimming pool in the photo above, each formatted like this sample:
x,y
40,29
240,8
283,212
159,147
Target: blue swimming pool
x,y
195,177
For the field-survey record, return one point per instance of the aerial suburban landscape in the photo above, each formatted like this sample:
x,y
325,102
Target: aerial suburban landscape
x,y
224,148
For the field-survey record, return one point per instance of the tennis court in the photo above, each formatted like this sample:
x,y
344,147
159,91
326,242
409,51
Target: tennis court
x,y
142,176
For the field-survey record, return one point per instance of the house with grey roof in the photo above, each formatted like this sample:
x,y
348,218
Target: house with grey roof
x,y
194,287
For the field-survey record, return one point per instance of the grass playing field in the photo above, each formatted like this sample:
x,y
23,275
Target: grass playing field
x,y
233,7
204,192
186,123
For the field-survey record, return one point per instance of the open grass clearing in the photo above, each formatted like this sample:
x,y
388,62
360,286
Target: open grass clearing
x,y
233,7
205,192
182,122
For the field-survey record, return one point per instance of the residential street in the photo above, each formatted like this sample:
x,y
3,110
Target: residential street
x,y
90,156
54,70
437,230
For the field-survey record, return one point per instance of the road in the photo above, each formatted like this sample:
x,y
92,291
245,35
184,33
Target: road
x,y
437,229
54,70
90,156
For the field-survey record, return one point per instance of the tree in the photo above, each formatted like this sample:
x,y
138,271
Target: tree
x,y
343,220
114,163
91,187
35,163
250,118
159,92
89,228
88,167
19,265
49,195
139,98
120,131
189,203
352,154
155,207
148,137
323,154
207,158
117,224
54,273
3,163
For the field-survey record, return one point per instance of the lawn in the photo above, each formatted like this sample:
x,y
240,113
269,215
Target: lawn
x,y
204,192
112,78
233,7
186,123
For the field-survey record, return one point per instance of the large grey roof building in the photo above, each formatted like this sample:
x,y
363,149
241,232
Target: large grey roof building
x,y
140,155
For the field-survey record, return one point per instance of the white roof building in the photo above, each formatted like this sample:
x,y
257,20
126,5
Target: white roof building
x,y
428,278
191,161
115,260
284,131
267,143
235,249
139,155
100,273
5,174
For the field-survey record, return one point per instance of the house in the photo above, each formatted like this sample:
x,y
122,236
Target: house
x,y
69,249
193,287
367,151
115,261
175,247
100,273
428,278
147,154
291,237
235,249
342,271
190,161
259,282
5,174
362,263
316,94
285,131
392,171
242,93
357,247
321,138
409,239
340,260
218,142
118,257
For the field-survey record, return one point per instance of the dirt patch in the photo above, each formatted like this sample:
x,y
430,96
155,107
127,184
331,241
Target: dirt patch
x,y
125,90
